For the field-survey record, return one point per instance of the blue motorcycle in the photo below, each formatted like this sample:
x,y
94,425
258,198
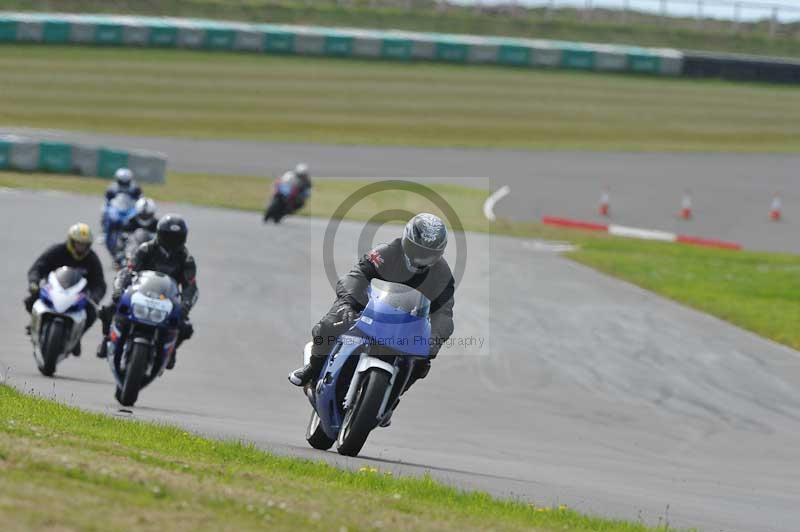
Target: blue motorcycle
x,y
368,368
149,314
116,215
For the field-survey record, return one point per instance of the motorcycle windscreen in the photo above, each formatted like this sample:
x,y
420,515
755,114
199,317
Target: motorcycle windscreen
x,y
397,316
123,203
68,277
156,285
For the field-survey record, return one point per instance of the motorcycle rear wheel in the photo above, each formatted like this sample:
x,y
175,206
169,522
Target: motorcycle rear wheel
x,y
134,374
52,345
362,416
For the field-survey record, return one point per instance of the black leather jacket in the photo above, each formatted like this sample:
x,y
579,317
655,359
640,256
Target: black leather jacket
x,y
179,265
58,255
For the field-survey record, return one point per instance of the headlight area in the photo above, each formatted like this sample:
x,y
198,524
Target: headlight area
x,y
142,312
151,310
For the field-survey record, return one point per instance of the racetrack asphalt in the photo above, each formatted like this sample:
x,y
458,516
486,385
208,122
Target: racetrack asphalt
x,y
587,391
731,192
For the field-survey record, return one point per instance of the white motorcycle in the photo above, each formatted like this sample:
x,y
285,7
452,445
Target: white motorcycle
x,y
58,318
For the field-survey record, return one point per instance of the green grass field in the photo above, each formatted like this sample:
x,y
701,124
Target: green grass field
x,y
63,469
214,95
565,24
756,291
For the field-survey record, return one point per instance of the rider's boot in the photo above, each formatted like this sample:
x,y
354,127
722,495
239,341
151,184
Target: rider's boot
x,y
102,348
308,373
171,361
76,351
387,420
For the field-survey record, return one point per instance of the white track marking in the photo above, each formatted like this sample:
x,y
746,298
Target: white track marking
x,y
494,197
646,234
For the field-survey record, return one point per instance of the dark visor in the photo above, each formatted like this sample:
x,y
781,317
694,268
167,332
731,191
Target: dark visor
x,y
421,256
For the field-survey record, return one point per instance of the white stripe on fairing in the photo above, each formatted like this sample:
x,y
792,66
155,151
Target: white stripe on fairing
x,y
646,234
488,205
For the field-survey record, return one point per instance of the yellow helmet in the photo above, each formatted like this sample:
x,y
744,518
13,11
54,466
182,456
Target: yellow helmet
x,y
79,240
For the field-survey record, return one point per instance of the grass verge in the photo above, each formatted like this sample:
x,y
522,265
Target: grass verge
x,y
61,468
606,26
756,291
301,99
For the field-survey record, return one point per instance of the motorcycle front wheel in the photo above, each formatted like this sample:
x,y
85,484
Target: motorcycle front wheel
x,y
275,211
134,374
362,416
52,343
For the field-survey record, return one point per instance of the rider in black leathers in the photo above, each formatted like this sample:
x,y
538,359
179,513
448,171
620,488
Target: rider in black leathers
x,y
76,253
414,260
167,254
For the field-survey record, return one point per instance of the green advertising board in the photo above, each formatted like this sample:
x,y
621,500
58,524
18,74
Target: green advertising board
x,y
109,161
55,157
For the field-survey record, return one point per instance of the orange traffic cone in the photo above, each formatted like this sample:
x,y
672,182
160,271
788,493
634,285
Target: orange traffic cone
x,y
775,209
605,204
686,206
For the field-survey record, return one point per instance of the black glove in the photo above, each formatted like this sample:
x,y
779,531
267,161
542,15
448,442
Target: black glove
x,y
28,302
33,295
347,315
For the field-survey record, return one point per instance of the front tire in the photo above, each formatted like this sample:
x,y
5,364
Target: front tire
x,y
315,436
134,374
275,211
362,416
52,345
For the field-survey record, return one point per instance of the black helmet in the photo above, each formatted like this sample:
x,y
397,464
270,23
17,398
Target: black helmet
x,y
171,232
424,240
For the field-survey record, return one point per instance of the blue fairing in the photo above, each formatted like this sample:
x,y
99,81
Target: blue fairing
x,y
44,295
386,325
406,331
285,189
330,412
116,214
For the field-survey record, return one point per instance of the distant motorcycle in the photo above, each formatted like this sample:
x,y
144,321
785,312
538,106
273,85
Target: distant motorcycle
x,y
127,244
368,368
151,309
116,215
58,318
288,196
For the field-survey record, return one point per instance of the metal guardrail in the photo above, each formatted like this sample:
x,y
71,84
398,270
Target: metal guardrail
x,y
33,155
109,30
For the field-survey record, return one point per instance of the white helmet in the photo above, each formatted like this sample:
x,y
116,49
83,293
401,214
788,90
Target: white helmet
x,y
301,171
124,177
145,210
